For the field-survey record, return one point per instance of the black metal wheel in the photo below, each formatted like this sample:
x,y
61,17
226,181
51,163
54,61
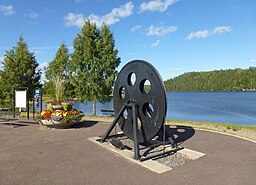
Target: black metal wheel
x,y
140,83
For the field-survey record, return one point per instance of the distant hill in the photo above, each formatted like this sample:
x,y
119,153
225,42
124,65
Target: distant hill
x,y
218,80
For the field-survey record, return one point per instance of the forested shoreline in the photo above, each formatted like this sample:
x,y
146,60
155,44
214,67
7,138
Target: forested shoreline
x,y
218,80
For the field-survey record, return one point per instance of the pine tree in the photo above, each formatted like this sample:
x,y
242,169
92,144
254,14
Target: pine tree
x,y
94,63
19,70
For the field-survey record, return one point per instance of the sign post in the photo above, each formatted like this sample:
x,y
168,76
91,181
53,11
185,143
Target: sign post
x,y
37,100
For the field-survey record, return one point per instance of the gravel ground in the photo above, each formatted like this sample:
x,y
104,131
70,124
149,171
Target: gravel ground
x,y
171,160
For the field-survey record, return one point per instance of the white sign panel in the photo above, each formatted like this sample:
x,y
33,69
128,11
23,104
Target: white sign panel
x,y
21,99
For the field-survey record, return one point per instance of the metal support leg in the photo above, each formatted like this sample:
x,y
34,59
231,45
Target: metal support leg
x,y
173,143
169,137
135,133
110,128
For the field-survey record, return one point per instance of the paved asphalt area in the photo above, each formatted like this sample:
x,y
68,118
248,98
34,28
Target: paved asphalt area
x,y
33,156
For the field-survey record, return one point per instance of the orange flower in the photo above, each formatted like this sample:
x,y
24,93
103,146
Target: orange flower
x,y
45,112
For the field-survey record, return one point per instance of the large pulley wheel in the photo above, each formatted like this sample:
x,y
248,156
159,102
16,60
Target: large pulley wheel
x,y
139,83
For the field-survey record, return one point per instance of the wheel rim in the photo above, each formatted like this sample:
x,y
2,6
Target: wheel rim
x,y
140,83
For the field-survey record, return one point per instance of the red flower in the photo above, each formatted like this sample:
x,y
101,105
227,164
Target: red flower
x,y
46,114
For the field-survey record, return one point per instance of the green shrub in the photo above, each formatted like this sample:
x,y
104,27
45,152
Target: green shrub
x,y
228,127
236,128
66,106
49,106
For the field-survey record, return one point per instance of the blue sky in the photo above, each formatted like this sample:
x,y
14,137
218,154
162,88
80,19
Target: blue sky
x,y
176,36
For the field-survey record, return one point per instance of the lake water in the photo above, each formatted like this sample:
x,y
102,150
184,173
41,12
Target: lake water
x,y
223,107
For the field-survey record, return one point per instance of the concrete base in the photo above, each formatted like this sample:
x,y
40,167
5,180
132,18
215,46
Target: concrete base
x,y
149,164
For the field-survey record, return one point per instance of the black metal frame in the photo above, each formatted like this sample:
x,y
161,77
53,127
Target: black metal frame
x,y
135,135
151,103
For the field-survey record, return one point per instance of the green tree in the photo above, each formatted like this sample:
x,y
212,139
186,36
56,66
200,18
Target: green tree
x,y
94,63
57,75
19,70
2,97
218,80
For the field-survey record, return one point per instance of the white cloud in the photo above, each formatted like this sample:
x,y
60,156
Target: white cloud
x,y
222,29
161,30
42,49
73,19
43,65
199,34
206,33
253,60
32,15
156,5
135,28
7,9
156,43
1,62
177,69
113,17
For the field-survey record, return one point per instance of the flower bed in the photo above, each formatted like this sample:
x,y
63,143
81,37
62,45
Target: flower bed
x,y
59,116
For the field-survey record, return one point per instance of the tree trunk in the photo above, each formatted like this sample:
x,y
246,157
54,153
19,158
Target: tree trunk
x,y
94,108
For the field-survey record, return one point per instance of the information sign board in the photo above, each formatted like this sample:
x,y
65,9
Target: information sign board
x,y
21,98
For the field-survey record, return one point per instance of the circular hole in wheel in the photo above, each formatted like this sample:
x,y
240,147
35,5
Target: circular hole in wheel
x,y
181,130
131,79
122,92
148,110
145,86
139,123
125,114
